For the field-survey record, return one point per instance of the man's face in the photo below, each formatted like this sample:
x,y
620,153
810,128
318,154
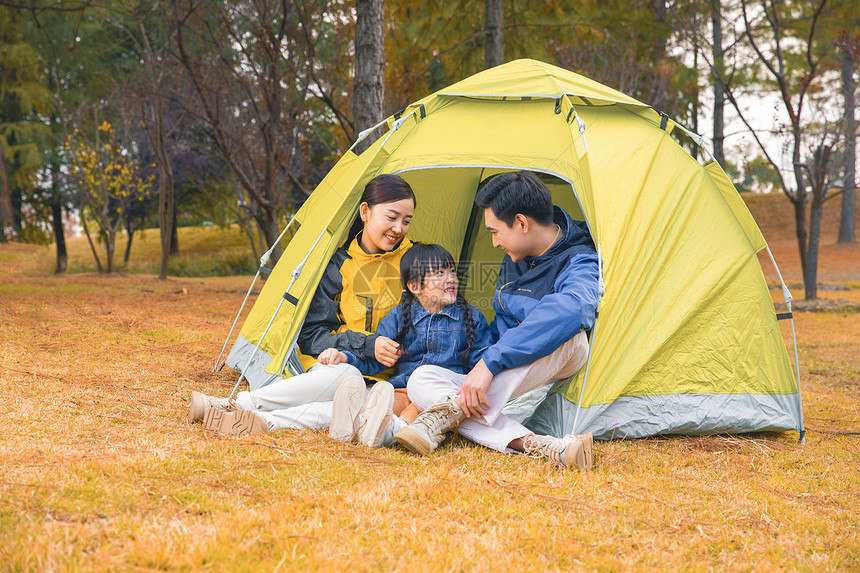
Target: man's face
x,y
514,239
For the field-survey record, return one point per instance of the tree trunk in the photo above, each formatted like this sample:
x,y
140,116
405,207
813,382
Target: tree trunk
x,y
57,217
849,193
270,232
92,246
799,201
129,230
369,89
59,236
800,230
174,233
248,227
246,220
110,248
694,147
820,184
494,47
810,273
659,87
17,210
5,197
165,210
719,92
166,203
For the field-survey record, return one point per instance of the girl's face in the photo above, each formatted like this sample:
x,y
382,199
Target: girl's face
x,y
385,224
438,291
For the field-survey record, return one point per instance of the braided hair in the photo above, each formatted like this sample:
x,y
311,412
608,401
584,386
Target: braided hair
x,y
415,264
470,329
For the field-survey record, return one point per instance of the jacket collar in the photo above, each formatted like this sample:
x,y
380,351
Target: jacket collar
x,y
357,253
452,311
572,234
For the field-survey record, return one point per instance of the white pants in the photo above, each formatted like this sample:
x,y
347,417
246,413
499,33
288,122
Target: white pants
x,y
429,385
303,401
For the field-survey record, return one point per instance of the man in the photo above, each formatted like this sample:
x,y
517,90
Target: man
x,y
546,300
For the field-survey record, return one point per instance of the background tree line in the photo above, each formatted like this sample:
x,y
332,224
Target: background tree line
x,y
151,114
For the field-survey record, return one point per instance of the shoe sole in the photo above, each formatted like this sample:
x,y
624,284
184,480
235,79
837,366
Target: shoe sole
x,y
197,410
579,452
348,402
412,441
239,423
377,414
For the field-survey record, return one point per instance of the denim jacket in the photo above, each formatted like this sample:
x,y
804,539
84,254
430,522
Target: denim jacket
x,y
435,338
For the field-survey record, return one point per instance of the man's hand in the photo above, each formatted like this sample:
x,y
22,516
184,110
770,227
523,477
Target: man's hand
x,y
473,392
386,351
331,357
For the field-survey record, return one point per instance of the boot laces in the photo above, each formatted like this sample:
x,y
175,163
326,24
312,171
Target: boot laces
x,y
545,447
438,418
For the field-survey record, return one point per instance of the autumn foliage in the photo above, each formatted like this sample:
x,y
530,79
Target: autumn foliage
x,y
109,182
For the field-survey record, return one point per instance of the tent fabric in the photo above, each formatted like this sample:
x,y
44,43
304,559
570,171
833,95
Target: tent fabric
x,y
687,339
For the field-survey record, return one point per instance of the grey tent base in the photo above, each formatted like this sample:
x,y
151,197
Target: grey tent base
x,y
255,374
643,416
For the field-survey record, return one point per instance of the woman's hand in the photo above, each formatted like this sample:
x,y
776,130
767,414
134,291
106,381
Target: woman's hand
x,y
386,351
331,356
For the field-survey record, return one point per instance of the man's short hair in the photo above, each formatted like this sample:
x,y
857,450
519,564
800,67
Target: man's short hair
x,y
516,192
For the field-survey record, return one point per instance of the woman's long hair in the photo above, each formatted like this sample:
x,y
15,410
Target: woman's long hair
x,y
415,264
381,189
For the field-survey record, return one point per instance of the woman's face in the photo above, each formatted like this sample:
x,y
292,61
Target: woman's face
x,y
385,224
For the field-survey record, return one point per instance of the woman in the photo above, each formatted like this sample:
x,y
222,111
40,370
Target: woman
x,y
359,286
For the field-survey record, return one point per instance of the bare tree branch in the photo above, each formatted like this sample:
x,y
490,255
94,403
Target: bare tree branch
x,y
65,7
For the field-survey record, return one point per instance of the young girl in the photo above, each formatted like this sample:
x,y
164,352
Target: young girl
x,y
360,285
432,325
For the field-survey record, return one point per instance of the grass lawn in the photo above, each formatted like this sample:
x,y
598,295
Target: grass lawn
x,y
203,251
100,469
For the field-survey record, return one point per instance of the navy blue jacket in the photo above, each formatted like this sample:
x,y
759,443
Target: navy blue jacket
x,y
434,338
544,301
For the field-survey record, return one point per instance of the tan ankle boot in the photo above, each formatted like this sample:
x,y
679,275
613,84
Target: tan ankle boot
x,y
567,452
428,430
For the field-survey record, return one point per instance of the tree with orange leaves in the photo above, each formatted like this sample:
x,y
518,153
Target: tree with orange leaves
x,y
109,182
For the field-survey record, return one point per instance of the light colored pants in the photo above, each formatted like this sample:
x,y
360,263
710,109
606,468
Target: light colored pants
x,y
303,401
429,385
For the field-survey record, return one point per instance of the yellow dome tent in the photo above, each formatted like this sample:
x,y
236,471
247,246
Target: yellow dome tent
x,y
687,339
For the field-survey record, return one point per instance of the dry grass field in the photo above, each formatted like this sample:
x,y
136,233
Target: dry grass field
x,y
100,469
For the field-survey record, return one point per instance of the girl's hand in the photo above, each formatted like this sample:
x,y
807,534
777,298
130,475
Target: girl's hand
x,y
386,351
331,356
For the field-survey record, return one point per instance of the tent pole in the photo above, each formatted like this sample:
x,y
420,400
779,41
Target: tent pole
x,y
263,261
600,290
288,355
697,139
786,294
295,273
365,133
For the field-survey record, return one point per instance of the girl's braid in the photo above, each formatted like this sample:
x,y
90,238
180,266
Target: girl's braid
x,y
406,311
469,325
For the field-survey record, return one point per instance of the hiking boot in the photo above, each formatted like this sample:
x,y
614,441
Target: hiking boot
x,y
201,402
239,423
428,430
567,452
347,404
376,418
